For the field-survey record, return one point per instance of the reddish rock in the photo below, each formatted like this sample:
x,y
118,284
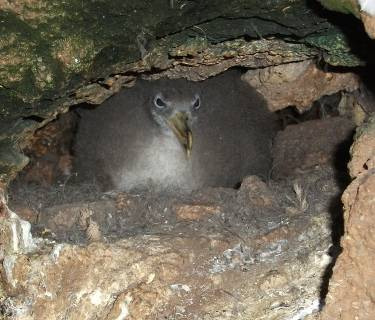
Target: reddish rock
x,y
363,149
195,212
369,23
27,214
158,277
308,144
49,151
278,84
352,288
255,191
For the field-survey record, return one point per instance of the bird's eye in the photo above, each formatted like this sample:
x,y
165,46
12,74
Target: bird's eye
x,y
197,103
159,103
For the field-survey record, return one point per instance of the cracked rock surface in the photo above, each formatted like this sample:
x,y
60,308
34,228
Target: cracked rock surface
x,y
352,287
256,252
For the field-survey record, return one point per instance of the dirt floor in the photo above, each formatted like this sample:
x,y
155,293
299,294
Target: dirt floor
x,y
65,211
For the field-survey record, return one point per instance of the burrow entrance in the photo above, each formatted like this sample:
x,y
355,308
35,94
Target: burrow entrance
x,y
278,217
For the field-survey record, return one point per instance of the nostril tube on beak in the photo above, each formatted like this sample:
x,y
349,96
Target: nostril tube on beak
x,y
179,123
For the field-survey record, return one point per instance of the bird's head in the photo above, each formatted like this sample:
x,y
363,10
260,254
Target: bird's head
x,y
175,114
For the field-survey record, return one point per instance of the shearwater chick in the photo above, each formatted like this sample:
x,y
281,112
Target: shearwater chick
x,y
176,135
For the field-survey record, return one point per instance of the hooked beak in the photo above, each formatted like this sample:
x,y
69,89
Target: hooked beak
x,y
180,127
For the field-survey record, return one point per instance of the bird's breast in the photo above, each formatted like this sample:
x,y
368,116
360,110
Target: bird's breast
x,y
162,162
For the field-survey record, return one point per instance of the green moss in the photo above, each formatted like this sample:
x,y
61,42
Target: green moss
x,y
336,49
49,44
29,69
343,6
12,107
74,52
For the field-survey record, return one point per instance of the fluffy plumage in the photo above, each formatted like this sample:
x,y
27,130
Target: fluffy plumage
x,y
128,143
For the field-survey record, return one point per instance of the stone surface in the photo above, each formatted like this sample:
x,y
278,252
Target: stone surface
x,y
352,288
214,59
198,276
362,150
278,84
148,277
254,190
194,212
369,23
311,143
49,149
15,235
216,254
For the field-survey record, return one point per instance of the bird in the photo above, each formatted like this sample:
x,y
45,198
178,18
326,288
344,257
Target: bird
x,y
176,135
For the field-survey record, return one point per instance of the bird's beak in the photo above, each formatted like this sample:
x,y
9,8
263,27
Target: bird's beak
x,y
179,123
